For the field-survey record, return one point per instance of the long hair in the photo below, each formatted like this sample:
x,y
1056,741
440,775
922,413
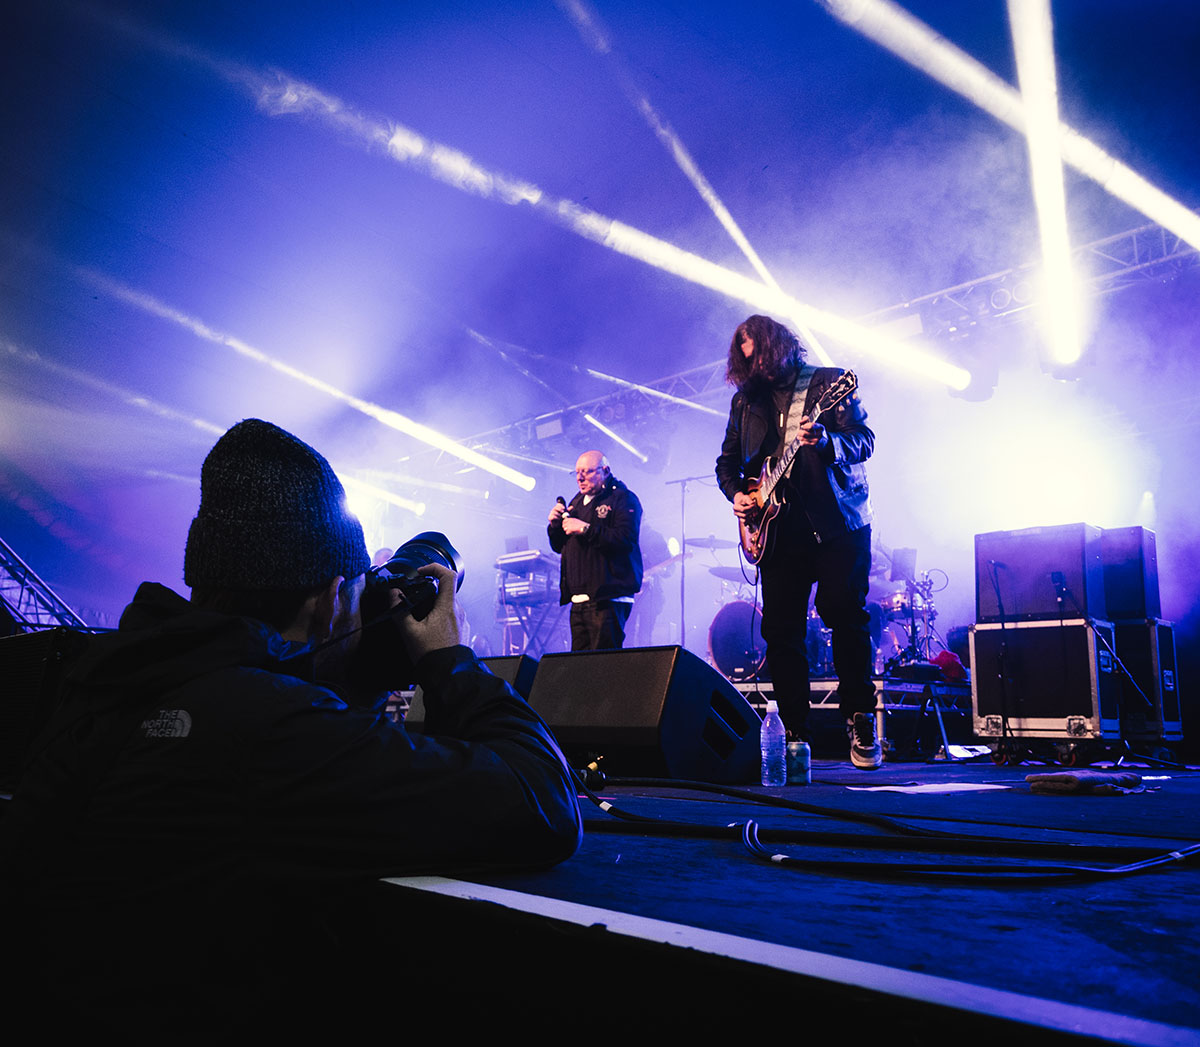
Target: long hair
x,y
778,354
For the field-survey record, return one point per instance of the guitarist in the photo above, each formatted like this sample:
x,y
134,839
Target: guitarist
x,y
821,533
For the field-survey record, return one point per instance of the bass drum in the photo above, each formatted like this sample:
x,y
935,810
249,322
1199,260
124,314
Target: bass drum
x,y
735,644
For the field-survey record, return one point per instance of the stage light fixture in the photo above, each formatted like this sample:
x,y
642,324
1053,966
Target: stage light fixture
x,y
550,428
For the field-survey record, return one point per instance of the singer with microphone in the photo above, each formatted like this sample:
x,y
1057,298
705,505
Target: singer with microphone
x,y
597,538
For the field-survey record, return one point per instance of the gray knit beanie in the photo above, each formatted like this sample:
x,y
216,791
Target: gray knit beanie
x,y
272,516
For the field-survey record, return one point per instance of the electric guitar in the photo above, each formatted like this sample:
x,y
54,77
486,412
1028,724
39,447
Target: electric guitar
x,y
755,530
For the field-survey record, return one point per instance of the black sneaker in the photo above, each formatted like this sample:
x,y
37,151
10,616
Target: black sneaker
x,y
865,751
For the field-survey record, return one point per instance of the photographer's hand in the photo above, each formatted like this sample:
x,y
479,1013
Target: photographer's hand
x,y
442,626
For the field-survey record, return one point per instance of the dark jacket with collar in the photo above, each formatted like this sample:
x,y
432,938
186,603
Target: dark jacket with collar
x,y
199,800
606,562
828,483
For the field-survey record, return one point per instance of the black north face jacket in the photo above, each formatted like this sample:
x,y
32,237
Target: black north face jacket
x,y
199,804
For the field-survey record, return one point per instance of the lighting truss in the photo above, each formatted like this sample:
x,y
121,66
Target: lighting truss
x,y
32,603
1149,252
1108,265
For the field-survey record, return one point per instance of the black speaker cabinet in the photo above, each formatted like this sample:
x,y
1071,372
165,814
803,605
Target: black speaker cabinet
x,y
518,670
31,667
649,711
1150,711
1049,680
1015,573
1130,573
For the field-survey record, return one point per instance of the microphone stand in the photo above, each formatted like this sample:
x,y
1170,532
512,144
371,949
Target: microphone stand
x,y
1007,748
683,486
1061,590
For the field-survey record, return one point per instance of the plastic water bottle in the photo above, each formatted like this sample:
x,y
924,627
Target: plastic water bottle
x,y
773,744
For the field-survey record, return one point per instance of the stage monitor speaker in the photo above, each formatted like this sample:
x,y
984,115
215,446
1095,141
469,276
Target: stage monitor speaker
x,y
1130,574
1016,572
517,670
649,711
31,666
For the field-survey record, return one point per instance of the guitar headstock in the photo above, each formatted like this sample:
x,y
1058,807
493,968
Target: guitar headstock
x,y
842,387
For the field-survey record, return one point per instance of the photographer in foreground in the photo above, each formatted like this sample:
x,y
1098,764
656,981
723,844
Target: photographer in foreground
x,y
190,831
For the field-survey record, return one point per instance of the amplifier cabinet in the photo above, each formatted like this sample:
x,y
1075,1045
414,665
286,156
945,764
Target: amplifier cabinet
x,y
1016,572
1147,651
1050,679
1130,574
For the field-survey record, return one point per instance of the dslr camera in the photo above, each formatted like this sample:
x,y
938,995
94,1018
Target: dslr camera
x,y
399,574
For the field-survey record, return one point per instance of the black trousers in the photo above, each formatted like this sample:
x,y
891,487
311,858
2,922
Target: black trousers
x,y
840,569
599,625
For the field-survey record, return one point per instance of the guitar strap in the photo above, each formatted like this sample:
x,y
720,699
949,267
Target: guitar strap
x,y
793,408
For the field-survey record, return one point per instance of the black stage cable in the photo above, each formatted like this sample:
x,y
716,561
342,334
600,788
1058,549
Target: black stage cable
x,y
1025,874
915,838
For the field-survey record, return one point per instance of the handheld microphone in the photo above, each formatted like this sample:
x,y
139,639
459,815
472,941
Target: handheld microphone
x,y
563,502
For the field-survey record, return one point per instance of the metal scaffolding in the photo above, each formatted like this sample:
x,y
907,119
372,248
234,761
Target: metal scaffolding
x,y
1149,252
30,602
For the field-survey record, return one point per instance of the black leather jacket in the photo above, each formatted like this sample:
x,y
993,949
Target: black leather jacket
x,y
830,483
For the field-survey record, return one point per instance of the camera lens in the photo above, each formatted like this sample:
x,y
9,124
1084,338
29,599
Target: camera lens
x,y
425,548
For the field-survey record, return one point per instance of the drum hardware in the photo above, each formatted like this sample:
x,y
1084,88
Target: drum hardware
x,y
711,542
735,643
730,574
913,604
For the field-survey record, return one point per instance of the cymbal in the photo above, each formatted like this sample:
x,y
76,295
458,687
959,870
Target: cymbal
x,y
731,574
711,542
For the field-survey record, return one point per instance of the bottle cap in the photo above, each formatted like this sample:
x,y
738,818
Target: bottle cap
x,y
772,705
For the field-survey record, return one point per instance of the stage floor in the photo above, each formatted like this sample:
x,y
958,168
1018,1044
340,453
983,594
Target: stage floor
x,y
895,941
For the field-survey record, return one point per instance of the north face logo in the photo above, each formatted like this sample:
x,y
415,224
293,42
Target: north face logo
x,y
171,723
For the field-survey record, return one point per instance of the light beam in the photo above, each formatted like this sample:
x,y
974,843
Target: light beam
x,y
393,419
587,23
1032,35
905,36
278,94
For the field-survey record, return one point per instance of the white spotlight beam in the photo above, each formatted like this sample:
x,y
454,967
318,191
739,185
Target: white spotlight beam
x,y
409,480
589,27
905,36
591,372
383,495
126,396
277,95
613,436
1032,35
280,95
454,168
393,419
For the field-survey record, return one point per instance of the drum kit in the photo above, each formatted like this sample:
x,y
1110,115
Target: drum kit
x,y
901,608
